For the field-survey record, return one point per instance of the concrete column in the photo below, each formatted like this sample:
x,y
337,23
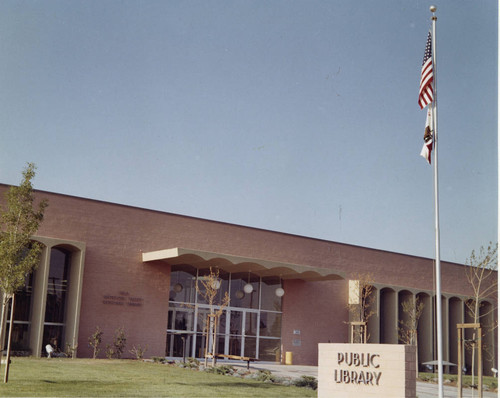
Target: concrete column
x,y
455,316
388,316
74,296
39,299
374,321
446,334
403,317
425,330
489,346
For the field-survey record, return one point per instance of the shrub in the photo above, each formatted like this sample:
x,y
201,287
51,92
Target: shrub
x,y
70,350
95,341
192,363
138,352
116,349
221,370
158,359
264,375
110,351
306,381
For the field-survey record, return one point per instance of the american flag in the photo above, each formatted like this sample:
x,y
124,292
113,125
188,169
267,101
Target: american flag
x,y
426,93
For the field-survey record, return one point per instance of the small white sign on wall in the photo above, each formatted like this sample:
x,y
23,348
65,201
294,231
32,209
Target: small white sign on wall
x,y
366,370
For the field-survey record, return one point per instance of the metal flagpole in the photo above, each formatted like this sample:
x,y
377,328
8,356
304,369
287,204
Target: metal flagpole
x,y
498,214
439,319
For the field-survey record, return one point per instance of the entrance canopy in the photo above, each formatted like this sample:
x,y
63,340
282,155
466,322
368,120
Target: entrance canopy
x,y
230,263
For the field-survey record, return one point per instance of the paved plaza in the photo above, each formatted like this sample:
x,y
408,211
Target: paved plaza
x,y
424,390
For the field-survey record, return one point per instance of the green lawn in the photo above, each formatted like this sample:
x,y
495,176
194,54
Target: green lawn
x,y
57,377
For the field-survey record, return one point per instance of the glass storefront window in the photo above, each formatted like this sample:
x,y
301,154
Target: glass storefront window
x,y
20,336
270,324
241,299
221,289
22,316
269,299
22,310
182,284
234,345
53,335
250,347
182,320
235,325
250,323
57,286
202,321
199,351
178,345
57,289
269,349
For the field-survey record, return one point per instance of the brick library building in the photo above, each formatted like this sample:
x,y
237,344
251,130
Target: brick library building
x,y
114,266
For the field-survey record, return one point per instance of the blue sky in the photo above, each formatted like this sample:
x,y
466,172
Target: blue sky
x,y
293,116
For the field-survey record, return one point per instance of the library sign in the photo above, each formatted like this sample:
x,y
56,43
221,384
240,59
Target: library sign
x,y
366,370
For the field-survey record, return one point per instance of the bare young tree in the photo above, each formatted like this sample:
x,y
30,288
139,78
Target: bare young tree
x,y
408,329
481,274
209,291
361,298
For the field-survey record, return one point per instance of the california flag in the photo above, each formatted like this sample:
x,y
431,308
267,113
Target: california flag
x,y
428,138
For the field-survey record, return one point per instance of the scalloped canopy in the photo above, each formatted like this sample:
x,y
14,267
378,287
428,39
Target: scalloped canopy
x,y
230,263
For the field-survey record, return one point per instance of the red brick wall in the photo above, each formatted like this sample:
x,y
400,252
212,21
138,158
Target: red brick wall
x,y
318,311
116,235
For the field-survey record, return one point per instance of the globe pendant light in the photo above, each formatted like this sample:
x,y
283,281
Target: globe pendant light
x,y
248,288
177,288
279,290
216,284
239,294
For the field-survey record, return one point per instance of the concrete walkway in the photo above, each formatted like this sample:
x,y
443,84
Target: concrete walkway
x,y
424,390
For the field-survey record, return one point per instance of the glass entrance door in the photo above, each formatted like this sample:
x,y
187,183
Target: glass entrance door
x,y
249,326
180,332
242,333
237,332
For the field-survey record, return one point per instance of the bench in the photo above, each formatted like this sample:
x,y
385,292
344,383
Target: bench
x,y
238,358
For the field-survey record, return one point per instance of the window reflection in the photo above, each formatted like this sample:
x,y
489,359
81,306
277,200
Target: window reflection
x,y
57,289
270,324
250,325
22,317
240,298
182,284
270,349
269,299
222,285
57,286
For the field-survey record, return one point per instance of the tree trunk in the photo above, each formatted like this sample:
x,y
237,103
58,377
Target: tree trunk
x,y
473,358
2,324
416,352
214,336
207,340
7,361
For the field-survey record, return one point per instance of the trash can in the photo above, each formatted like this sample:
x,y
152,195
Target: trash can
x,y
288,358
